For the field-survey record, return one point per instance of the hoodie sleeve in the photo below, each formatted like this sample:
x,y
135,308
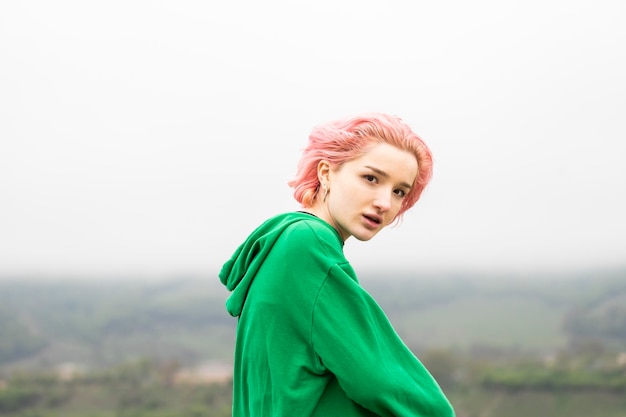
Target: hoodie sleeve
x,y
355,341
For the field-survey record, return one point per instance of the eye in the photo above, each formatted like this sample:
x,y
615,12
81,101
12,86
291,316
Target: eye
x,y
400,193
370,178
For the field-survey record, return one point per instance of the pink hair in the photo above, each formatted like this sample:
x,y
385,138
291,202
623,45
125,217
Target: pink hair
x,y
343,140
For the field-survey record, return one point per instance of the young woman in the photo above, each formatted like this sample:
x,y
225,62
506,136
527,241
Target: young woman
x,y
310,340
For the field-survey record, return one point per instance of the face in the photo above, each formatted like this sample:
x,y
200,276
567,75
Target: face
x,y
366,194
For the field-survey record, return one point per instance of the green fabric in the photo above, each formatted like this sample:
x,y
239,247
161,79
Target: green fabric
x,y
310,340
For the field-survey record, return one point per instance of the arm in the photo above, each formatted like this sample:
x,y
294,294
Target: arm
x,y
355,341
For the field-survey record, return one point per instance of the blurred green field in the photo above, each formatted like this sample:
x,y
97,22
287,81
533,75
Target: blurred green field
x,y
500,346
103,323
509,322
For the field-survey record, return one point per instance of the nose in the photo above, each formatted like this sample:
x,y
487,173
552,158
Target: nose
x,y
382,202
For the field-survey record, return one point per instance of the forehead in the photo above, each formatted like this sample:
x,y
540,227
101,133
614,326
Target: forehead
x,y
399,165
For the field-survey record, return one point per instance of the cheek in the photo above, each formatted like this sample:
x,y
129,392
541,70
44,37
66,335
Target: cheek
x,y
395,209
351,190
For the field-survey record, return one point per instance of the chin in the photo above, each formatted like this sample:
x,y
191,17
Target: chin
x,y
364,237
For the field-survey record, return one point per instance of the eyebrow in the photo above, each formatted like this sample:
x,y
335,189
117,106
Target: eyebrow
x,y
384,174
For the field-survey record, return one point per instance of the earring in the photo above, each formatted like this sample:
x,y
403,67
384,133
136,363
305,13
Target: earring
x,y
325,193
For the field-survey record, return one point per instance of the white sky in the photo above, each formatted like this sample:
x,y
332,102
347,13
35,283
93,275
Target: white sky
x,y
151,137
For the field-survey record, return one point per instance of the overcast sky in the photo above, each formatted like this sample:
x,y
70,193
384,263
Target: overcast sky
x,y
151,137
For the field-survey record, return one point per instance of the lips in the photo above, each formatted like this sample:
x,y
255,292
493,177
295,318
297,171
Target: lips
x,y
373,219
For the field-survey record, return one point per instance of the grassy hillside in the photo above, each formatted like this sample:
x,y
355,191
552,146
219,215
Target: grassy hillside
x,y
499,346
487,403
512,322
102,323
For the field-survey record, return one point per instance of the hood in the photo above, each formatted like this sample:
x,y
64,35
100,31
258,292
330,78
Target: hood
x,y
239,271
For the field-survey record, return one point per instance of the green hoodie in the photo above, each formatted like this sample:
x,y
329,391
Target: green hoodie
x,y
310,340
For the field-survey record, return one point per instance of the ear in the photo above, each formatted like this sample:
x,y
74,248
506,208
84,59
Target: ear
x,y
323,173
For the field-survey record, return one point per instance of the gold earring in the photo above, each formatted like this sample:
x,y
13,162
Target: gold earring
x,y
325,193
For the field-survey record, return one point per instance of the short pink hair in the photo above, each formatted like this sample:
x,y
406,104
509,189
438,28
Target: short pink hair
x,y
340,141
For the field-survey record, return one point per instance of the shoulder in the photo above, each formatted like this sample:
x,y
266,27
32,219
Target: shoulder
x,y
311,229
304,233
